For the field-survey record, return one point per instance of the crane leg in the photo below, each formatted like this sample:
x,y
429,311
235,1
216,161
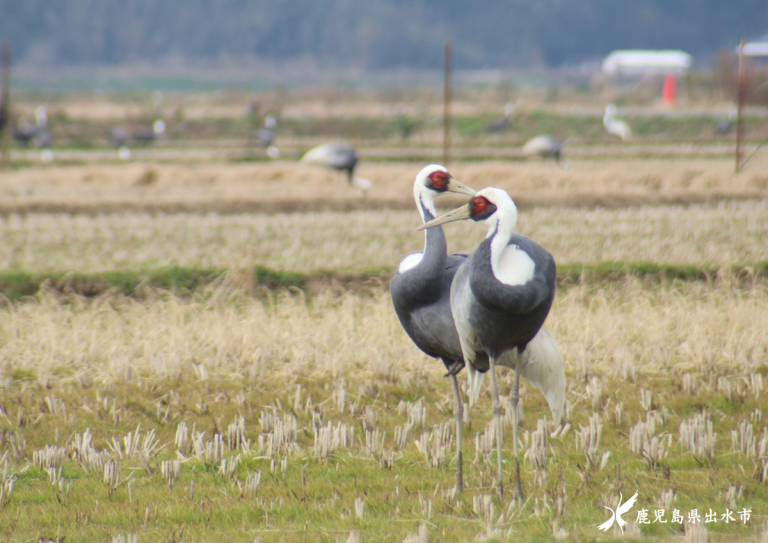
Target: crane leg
x,y
516,422
459,411
497,423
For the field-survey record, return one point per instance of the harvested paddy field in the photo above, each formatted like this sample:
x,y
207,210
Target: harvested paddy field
x,y
706,236
223,416
237,409
284,187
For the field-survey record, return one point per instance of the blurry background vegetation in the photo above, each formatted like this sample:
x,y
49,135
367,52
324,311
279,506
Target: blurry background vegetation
x,y
369,35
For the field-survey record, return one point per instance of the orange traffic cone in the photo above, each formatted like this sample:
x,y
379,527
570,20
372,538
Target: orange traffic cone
x,y
669,92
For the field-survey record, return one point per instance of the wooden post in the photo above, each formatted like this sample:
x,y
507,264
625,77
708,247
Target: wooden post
x,y
739,104
5,102
447,106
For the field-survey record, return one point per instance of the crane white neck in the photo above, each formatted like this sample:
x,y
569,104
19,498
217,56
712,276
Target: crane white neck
x,y
425,197
425,203
511,266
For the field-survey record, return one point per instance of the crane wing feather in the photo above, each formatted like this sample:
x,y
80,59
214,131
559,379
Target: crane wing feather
x,y
542,366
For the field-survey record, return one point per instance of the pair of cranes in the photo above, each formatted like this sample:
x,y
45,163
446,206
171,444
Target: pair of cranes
x,y
481,310
147,135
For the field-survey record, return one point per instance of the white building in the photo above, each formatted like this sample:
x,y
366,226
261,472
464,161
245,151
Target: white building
x,y
643,62
755,48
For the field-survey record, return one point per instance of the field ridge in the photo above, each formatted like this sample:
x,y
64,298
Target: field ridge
x,y
16,284
608,200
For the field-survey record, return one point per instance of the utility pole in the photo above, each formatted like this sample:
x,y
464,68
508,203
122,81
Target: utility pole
x,y
447,106
739,105
5,103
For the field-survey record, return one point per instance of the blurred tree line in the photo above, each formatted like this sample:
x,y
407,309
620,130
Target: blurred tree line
x,y
372,34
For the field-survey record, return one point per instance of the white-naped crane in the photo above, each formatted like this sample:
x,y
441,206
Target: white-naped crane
x,y
547,146
500,298
265,136
25,132
340,157
148,135
723,127
421,289
614,125
119,137
45,142
501,123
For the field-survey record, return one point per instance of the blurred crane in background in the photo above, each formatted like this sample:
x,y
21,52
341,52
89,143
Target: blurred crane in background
x,y
547,146
614,125
340,157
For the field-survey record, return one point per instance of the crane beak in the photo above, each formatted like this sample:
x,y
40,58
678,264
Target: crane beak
x,y
459,188
455,215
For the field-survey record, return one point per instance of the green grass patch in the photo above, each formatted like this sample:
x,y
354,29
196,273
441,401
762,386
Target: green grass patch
x,y
16,284
304,496
90,134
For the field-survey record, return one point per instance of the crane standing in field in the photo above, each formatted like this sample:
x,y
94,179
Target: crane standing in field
x,y
546,146
265,136
421,289
500,298
119,137
25,132
614,125
723,127
340,157
148,135
500,124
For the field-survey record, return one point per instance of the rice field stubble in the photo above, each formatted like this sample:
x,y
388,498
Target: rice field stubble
x,y
223,416
287,186
699,235
283,417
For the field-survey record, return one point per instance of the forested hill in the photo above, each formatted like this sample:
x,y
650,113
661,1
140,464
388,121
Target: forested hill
x,y
370,34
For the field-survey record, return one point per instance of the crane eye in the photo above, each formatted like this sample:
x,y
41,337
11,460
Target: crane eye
x,y
481,208
438,181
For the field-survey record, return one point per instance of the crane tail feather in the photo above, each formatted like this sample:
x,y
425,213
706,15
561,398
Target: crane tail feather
x,y
542,366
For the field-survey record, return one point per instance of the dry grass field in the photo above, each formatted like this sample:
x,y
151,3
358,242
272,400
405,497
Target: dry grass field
x,y
221,416
282,416
710,236
286,186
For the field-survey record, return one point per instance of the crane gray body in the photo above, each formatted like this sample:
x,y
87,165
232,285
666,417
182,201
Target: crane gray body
x,y
492,317
422,300
118,136
338,156
545,146
263,137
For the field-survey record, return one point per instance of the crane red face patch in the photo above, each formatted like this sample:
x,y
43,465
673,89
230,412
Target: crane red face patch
x,y
438,181
481,208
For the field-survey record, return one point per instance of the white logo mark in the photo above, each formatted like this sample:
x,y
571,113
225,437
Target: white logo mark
x,y
616,515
